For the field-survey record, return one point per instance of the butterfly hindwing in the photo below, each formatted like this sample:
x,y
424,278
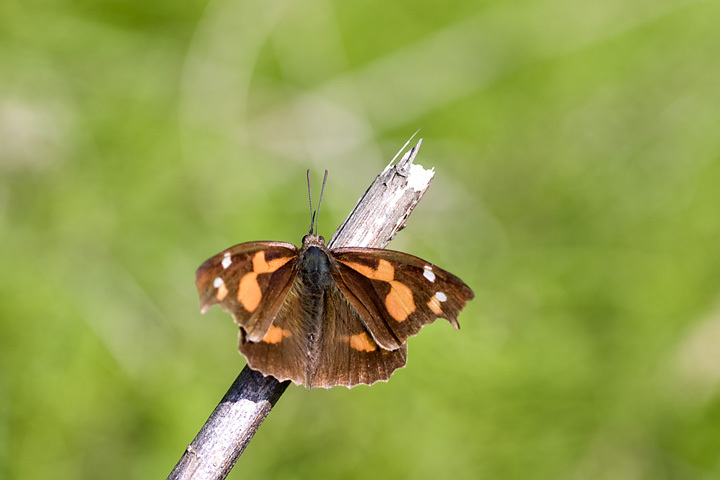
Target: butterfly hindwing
x,y
348,354
250,281
281,352
397,293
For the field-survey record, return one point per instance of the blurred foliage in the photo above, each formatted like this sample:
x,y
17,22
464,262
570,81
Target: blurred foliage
x,y
577,155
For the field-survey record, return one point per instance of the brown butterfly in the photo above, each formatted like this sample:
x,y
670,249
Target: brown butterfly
x,y
322,317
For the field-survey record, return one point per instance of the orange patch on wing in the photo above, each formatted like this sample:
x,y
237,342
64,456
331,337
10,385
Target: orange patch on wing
x,y
362,343
384,271
249,294
399,302
262,266
275,335
434,305
222,292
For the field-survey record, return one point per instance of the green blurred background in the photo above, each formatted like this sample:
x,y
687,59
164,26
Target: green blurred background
x,y
577,155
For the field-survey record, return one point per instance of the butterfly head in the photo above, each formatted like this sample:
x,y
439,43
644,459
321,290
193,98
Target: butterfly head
x,y
312,240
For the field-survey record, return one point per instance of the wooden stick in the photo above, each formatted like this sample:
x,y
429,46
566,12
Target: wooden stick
x,y
374,221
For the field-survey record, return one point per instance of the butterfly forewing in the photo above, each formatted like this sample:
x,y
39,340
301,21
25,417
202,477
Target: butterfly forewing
x,y
250,281
397,293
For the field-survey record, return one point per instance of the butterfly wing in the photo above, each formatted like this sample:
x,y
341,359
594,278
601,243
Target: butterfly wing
x,y
334,349
377,299
282,351
250,281
396,294
346,353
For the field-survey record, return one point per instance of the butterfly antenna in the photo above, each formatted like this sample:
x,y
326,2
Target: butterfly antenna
x,y
322,190
312,215
403,148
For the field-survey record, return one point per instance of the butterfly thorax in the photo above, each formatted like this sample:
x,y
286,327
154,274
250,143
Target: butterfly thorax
x,y
314,273
315,270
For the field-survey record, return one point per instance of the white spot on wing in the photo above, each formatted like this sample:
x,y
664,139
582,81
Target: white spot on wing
x,y
226,261
440,296
217,282
427,273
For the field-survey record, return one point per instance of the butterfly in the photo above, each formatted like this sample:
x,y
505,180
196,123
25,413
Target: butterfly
x,y
324,317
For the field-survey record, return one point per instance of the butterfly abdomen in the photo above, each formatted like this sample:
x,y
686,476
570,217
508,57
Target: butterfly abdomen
x,y
315,277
